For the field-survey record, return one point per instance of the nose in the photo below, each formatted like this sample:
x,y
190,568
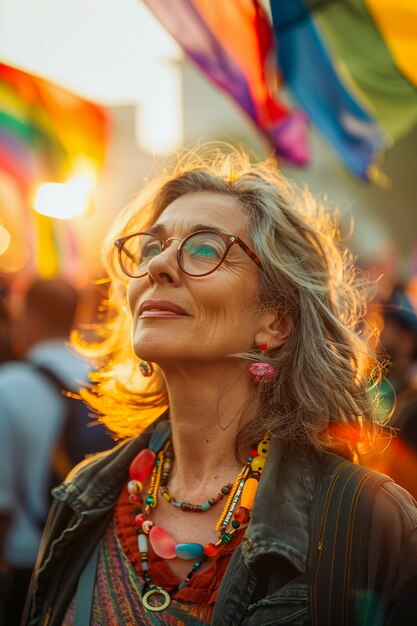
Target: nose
x,y
164,267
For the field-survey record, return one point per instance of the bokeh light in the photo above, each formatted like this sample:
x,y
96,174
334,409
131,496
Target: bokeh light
x,y
5,239
65,200
15,258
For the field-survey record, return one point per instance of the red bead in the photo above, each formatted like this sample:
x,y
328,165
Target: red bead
x,y
242,515
263,346
162,543
139,519
210,549
142,466
253,453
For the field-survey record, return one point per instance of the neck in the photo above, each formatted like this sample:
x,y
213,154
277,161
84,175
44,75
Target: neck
x,y
206,406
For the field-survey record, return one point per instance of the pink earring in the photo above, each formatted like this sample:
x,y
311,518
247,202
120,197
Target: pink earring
x,y
146,368
261,371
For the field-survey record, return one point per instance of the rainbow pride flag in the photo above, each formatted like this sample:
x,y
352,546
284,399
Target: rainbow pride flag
x,y
44,128
352,66
232,42
46,131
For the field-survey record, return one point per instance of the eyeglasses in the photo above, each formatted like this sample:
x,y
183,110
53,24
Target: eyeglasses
x,y
198,254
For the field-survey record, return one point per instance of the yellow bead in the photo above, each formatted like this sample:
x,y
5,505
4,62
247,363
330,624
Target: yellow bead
x,y
249,493
257,464
263,447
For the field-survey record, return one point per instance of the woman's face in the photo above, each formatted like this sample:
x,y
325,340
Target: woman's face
x,y
178,318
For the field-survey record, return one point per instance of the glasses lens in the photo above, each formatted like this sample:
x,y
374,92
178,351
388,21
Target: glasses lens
x,y
137,251
201,253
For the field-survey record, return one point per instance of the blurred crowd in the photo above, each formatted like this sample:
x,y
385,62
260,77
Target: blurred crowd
x,y
43,432
395,453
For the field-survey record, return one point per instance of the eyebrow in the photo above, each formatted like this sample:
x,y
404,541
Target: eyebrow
x,y
160,229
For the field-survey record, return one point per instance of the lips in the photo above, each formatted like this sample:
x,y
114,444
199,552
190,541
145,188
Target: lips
x,y
160,308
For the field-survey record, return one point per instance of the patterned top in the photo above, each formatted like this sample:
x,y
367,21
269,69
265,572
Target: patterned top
x,y
118,586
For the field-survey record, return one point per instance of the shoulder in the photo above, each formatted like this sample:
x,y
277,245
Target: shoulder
x,y
18,382
395,508
14,373
98,479
26,397
59,357
358,489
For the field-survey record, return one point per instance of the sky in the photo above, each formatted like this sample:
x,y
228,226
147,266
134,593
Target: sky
x,y
109,51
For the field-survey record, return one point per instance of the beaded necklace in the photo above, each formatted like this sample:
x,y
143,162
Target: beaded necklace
x,y
156,462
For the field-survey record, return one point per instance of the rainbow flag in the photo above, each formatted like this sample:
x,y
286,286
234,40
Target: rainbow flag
x,y
45,130
232,42
353,66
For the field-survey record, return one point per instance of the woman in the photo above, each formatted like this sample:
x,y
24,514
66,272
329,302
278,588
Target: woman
x,y
240,504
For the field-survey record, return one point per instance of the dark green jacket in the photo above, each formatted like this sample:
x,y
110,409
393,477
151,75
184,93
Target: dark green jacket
x,y
317,550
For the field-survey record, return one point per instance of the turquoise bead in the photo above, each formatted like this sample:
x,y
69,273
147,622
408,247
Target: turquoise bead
x,y
160,435
206,506
189,550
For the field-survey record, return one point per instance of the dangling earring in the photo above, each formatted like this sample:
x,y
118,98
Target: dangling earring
x,y
261,371
146,368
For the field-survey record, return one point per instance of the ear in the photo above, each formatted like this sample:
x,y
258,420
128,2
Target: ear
x,y
273,329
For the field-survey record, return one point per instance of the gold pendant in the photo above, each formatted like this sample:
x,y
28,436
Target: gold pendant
x,y
160,599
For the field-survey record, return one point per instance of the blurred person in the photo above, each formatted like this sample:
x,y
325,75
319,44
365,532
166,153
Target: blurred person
x,y
242,387
398,344
33,413
7,352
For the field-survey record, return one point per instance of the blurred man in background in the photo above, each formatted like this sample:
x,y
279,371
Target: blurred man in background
x,y
6,349
398,343
33,429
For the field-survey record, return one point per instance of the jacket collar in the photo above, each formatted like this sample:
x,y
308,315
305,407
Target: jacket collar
x,y
96,483
280,518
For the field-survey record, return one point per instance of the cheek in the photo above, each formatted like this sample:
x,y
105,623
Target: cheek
x,y
229,314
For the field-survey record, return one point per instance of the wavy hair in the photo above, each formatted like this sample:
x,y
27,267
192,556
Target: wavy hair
x,y
323,394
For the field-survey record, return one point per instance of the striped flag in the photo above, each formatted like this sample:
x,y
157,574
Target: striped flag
x,y
353,66
47,134
232,42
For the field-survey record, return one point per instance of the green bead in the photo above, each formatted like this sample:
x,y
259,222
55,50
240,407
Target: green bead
x,y
150,500
226,538
235,524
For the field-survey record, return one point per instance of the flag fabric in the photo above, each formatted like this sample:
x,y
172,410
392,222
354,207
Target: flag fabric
x,y
353,66
44,128
46,132
232,42
381,59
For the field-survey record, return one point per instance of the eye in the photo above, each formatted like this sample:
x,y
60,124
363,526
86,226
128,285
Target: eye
x,y
205,246
149,249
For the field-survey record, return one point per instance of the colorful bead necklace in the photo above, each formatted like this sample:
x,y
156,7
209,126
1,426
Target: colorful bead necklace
x,y
186,506
156,461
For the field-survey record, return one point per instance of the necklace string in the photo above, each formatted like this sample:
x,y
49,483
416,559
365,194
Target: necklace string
x,y
156,462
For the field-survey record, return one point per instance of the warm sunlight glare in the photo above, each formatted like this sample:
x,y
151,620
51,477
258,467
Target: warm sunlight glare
x,y
5,239
15,257
65,200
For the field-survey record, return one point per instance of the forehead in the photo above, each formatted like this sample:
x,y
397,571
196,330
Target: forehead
x,y
204,207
